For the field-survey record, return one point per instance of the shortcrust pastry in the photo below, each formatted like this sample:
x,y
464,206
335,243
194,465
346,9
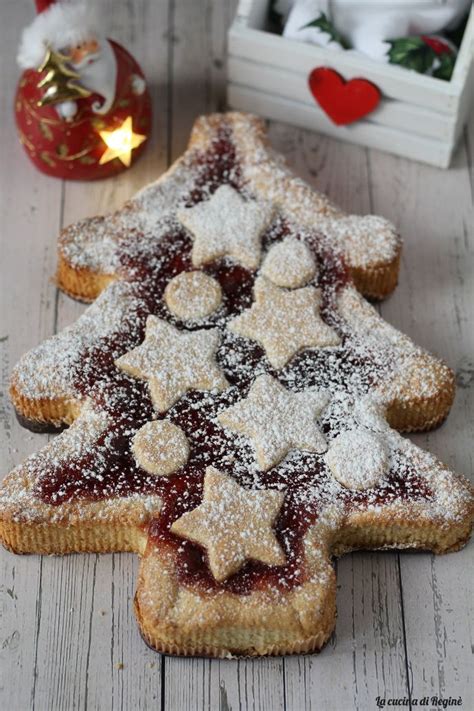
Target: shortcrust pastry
x,y
233,404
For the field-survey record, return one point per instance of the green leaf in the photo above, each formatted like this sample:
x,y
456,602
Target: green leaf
x,y
446,67
328,28
411,53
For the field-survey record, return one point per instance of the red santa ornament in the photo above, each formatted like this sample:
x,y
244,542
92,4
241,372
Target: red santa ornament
x,y
82,107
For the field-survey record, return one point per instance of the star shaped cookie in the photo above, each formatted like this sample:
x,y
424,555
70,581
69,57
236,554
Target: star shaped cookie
x,y
277,420
226,225
233,524
174,362
284,322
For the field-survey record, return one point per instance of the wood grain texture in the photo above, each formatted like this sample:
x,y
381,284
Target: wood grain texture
x,y
369,641
433,304
67,635
27,257
97,591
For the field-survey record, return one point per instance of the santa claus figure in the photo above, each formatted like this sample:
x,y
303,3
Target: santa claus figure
x,y
82,107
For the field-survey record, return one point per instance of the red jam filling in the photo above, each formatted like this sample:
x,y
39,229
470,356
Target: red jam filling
x,y
148,265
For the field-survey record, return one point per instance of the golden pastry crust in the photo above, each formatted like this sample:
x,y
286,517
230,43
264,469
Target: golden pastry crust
x,y
371,245
421,389
414,500
43,411
185,621
80,283
179,620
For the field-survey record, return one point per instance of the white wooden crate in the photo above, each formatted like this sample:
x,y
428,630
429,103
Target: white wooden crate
x,y
419,116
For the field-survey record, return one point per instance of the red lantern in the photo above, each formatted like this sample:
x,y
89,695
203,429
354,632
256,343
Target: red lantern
x,y
82,107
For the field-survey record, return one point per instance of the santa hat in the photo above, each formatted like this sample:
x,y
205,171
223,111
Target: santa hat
x,y
59,24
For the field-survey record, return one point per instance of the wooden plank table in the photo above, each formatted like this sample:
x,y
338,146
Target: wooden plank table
x,y
68,639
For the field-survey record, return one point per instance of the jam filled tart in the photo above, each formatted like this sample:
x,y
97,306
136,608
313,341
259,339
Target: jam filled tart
x,y
233,403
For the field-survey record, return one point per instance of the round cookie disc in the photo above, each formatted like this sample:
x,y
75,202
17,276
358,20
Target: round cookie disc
x,y
193,295
358,459
289,264
160,447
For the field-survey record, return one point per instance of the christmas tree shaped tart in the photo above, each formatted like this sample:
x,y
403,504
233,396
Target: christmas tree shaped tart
x,y
233,404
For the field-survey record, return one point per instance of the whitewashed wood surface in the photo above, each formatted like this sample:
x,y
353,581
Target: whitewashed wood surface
x,y
68,639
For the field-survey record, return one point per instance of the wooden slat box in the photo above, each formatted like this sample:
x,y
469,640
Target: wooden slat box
x,y
419,117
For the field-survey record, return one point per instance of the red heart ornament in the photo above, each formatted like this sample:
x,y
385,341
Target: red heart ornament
x,y
343,101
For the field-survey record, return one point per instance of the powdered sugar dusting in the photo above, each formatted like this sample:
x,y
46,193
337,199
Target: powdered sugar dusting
x,y
364,240
358,459
160,447
174,362
48,370
284,322
233,524
277,420
192,296
146,247
289,264
226,224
